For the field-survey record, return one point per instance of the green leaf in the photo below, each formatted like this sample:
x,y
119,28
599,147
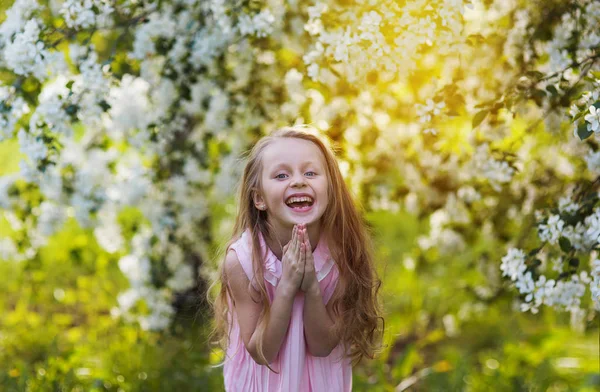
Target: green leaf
x,y
551,89
70,84
582,131
476,37
72,109
534,74
479,117
534,251
574,262
591,196
596,104
486,104
538,93
565,244
104,105
578,116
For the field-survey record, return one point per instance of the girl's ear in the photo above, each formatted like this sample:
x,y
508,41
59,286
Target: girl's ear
x,y
258,201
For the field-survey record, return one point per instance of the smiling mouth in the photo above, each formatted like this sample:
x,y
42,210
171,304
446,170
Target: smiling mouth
x,y
301,206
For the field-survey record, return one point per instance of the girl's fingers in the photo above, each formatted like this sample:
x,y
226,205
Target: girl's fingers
x,y
295,240
300,240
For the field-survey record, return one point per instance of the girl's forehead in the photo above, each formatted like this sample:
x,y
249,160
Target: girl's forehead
x,y
292,151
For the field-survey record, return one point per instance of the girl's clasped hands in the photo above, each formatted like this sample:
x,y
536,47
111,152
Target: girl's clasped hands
x,y
298,261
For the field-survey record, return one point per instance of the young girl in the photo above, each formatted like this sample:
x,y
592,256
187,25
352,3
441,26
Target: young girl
x,y
298,302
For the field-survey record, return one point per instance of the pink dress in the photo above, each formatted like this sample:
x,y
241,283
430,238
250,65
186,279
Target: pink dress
x,y
298,370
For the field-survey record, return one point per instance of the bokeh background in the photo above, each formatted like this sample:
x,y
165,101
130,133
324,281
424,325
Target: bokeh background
x,y
462,129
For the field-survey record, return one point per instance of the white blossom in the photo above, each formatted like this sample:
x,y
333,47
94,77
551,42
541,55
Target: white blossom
x,y
183,278
565,204
592,224
513,264
260,25
108,231
551,230
593,119
81,14
136,269
16,17
595,284
130,105
51,217
496,172
8,249
33,147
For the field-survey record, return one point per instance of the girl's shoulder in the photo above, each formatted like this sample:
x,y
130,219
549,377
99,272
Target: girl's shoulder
x,y
243,248
242,241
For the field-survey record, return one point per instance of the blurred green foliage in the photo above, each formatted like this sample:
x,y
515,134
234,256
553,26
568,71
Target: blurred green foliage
x,y
57,333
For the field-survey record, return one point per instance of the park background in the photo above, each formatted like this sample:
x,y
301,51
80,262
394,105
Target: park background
x,y
451,141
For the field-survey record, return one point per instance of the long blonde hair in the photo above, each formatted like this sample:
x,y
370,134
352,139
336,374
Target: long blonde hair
x,y
355,302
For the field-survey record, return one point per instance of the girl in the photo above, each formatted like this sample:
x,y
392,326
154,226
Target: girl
x,y
298,302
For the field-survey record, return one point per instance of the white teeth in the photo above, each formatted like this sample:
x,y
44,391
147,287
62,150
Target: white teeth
x,y
298,199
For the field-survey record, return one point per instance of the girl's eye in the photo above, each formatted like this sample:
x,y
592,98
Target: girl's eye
x,y
283,174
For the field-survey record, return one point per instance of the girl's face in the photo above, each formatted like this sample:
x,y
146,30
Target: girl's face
x,y
293,168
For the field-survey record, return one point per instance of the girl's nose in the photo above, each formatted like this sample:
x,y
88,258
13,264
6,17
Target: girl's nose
x,y
298,182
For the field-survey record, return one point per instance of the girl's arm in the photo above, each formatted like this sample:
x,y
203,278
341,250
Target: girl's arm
x,y
248,311
318,323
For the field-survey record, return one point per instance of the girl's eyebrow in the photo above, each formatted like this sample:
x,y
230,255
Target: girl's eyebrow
x,y
280,165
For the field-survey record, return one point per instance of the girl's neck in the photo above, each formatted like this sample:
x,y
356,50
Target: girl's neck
x,y
283,235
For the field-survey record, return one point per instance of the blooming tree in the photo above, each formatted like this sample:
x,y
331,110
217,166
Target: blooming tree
x,y
435,105
547,69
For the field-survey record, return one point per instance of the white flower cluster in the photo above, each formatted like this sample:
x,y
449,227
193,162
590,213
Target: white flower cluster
x,y
8,250
513,46
583,236
25,54
551,230
593,119
51,217
90,87
81,14
50,112
136,267
587,107
14,107
16,17
496,172
159,25
595,284
567,205
130,107
33,147
565,294
260,25
559,58
158,301
441,235
5,183
387,39
427,111
108,232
